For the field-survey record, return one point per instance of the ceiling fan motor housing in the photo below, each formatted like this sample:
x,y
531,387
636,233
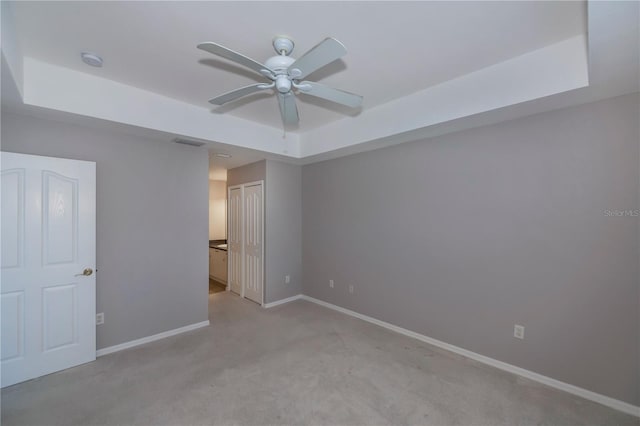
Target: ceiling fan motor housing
x,y
280,64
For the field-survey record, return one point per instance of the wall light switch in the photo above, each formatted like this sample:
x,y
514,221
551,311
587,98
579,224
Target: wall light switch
x,y
100,318
351,288
331,283
287,279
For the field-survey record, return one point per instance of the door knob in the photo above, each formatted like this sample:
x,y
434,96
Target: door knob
x,y
86,272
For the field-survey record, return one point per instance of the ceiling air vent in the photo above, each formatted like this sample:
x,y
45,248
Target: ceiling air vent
x,y
188,142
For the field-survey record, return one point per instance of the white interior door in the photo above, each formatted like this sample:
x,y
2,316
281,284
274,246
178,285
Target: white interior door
x,y
234,239
253,242
48,240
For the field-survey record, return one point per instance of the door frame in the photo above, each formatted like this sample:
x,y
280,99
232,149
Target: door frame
x,y
264,233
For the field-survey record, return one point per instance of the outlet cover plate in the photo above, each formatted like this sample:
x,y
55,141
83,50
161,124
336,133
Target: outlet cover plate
x,y
518,331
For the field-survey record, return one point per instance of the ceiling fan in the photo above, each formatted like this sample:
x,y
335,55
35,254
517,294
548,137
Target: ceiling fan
x,y
287,74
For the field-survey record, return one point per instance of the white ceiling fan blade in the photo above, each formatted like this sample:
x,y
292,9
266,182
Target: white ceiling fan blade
x,y
322,54
229,54
238,93
288,108
330,94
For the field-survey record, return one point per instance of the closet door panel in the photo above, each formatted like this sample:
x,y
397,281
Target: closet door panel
x,y
253,242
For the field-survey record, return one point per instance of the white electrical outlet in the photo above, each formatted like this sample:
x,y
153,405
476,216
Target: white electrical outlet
x,y
518,331
350,288
331,283
100,318
287,279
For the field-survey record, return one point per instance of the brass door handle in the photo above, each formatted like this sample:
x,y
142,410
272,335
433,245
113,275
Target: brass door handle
x,y
86,272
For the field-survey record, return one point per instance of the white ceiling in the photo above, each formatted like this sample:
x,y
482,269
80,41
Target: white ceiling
x,y
424,68
394,48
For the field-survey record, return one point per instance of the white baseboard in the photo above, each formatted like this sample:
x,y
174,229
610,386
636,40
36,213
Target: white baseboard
x,y
148,339
575,390
281,301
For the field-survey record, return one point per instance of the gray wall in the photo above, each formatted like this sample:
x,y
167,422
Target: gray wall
x,y
283,217
250,173
462,236
283,223
152,223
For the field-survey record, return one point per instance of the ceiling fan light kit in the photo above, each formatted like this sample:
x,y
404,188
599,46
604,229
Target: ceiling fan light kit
x,y
285,74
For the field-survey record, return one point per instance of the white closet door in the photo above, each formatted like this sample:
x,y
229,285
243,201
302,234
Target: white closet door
x,y
234,240
253,242
48,240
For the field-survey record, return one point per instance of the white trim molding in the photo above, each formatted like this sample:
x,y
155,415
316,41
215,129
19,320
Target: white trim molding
x,y
149,339
557,384
282,301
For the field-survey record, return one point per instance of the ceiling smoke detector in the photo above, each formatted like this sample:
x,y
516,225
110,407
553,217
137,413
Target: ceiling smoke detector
x,y
91,59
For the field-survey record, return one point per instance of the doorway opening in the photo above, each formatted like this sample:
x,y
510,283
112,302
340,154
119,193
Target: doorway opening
x,y
218,259
236,230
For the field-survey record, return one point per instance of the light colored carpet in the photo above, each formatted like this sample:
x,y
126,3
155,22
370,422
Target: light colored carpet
x,y
297,363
